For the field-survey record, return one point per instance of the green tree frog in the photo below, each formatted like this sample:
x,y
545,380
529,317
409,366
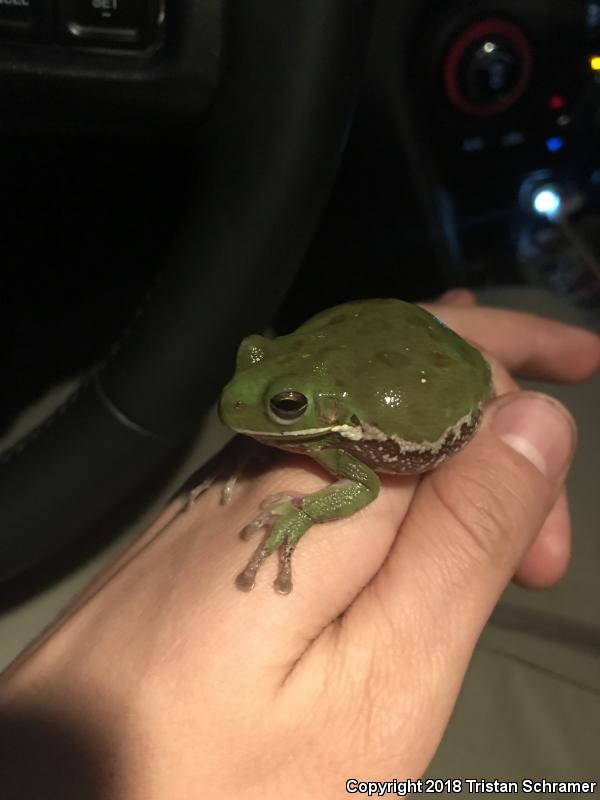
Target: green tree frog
x,y
373,386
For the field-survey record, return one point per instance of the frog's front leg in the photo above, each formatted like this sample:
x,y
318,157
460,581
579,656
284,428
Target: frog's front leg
x,y
289,520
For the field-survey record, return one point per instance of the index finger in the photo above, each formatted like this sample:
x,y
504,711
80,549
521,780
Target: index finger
x,y
528,345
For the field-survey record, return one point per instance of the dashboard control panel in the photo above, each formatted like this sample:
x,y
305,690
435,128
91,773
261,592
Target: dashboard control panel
x,y
509,134
116,63
513,88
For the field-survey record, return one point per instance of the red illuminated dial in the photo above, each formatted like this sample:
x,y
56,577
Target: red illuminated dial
x,y
488,67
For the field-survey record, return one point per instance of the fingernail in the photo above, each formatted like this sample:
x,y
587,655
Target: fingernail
x,y
539,428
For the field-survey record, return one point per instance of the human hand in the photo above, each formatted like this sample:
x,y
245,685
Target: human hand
x,y
167,682
531,347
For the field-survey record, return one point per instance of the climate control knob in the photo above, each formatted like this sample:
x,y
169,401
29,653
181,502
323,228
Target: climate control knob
x,y
488,67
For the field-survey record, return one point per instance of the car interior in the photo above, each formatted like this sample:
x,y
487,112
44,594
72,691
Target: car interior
x,y
180,174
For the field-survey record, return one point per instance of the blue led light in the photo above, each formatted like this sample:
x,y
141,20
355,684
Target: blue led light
x,y
554,144
546,202
592,15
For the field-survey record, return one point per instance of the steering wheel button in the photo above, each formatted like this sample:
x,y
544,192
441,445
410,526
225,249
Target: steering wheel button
x,y
109,22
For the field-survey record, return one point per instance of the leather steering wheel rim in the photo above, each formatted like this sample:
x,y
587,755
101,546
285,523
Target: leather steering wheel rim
x,y
272,140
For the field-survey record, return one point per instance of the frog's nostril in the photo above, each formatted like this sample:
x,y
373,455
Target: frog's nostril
x,y
238,405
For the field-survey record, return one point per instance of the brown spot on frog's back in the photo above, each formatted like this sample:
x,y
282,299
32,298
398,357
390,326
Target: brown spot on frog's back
x,y
440,360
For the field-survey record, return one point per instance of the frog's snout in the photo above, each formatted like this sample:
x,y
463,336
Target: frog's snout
x,y
231,407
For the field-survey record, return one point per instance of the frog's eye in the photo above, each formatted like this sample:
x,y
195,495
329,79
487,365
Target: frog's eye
x,y
288,406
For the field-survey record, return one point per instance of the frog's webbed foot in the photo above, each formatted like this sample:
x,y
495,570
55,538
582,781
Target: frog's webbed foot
x,y
283,582
289,515
286,523
233,464
226,491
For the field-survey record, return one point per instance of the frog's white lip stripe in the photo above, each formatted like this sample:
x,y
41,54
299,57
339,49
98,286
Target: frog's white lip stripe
x,y
354,432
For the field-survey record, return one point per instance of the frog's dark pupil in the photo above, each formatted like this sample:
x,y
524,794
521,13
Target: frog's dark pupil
x,y
289,405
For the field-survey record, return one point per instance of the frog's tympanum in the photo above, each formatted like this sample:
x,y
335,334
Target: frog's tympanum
x,y
377,386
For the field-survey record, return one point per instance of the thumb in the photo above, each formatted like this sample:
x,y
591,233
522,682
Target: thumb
x,y
467,528
472,520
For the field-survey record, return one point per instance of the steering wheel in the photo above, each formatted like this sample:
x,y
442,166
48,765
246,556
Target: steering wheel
x,y
269,88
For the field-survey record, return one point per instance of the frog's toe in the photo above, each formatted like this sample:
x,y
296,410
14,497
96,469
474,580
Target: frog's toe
x,y
228,489
287,524
196,491
283,582
245,580
273,500
263,520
